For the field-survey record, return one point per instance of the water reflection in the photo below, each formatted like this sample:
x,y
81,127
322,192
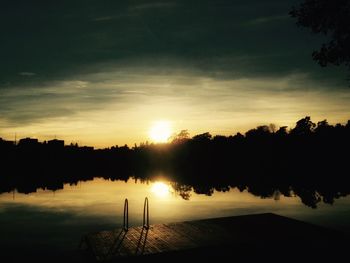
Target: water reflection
x,y
161,189
311,195
168,202
56,220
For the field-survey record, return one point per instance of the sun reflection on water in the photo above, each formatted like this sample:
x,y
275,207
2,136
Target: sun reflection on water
x,y
160,189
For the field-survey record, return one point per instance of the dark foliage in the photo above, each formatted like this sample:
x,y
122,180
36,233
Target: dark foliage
x,y
331,18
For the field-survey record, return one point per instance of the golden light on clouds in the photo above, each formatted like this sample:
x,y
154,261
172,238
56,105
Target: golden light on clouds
x,y
127,107
160,131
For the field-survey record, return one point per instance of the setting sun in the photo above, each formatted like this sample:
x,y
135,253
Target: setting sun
x,y
160,189
160,131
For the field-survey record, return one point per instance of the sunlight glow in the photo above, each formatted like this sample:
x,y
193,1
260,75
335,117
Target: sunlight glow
x,y
160,189
160,131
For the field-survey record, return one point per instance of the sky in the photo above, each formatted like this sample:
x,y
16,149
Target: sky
x,y
104,72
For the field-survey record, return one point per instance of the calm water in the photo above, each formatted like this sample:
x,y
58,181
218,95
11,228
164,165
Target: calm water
x,y
55,221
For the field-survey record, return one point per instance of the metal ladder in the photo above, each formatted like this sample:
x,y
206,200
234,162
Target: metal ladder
x,y
145,223
145,214
126,215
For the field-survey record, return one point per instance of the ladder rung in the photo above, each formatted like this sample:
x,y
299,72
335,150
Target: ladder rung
x,y
146,214
126,215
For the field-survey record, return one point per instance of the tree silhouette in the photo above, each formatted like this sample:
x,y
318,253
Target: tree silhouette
x,y
331,18
282,131
202,137
258,132
181,137
303,127
307,161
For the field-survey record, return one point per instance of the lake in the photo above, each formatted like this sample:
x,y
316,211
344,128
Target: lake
x,y
54,221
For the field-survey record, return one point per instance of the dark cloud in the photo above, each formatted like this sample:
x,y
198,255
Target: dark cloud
x,y
57,40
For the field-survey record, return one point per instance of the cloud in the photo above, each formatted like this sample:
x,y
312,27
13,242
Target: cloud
x,y
104,18
210,36
117,106
27,74
154,5
124,90
268,19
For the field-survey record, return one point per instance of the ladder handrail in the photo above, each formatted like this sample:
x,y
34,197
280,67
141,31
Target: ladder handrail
x,y
146,214
126,215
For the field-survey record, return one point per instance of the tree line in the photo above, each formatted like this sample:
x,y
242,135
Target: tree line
x,y
309,161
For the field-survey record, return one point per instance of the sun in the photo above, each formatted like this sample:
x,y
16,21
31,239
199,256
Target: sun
x,y
160,131
160,189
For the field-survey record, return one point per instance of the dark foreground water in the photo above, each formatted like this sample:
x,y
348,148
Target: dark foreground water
x,y
50,224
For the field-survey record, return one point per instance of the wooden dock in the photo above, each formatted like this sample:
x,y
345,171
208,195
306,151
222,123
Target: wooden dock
x,y
239,235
